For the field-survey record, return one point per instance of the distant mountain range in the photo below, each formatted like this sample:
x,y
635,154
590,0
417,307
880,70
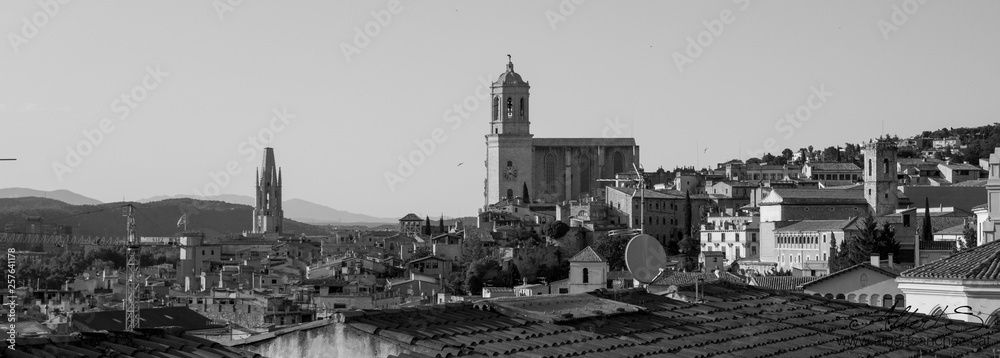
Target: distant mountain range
x,y
295,209
214,218
65,196
298,209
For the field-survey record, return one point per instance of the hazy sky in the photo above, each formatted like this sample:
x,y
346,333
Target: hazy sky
x,y
186,86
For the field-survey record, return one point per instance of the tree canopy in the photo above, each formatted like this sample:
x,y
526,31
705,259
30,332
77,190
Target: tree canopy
x,y
613,249
870,239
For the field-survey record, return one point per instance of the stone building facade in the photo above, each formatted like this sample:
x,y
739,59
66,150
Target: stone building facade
x,y
880,177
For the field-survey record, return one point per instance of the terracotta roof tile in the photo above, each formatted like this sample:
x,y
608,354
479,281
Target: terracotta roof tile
x,y
978,263
587,255
733,321
784,283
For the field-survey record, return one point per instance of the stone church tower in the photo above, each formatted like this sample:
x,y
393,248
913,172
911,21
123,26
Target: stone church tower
x,y
267,213
880,177
508,145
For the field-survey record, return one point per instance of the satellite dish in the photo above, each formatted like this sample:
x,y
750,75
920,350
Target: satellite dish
x,y
644,257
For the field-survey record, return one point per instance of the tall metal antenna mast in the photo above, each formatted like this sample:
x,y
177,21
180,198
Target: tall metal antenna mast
x,y
132,276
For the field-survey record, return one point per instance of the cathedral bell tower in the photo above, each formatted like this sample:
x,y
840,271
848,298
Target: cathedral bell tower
x,y
267,213
508,145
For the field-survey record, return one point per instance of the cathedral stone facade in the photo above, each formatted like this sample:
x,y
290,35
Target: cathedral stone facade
x,y
267,213
552,169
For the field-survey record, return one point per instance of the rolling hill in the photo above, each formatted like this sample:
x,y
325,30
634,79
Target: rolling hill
x,y
65,196
214,218
297,209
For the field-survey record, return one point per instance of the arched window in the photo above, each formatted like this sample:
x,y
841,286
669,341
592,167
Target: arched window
x,y
520,109
885,165
870,167
863,298
618,163
510,163
992,319
840,296
586,175
510,107
900,301
886,301
510,194
851,298
496,108
550,169
586,275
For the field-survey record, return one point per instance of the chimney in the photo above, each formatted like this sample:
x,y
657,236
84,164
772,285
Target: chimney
x,y
875,259
890,260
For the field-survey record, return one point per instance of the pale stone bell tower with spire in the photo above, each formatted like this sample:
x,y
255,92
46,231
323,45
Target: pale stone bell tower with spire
x,y
267,213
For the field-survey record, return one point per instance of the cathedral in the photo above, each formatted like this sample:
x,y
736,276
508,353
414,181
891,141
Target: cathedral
x,y
552,169
267,213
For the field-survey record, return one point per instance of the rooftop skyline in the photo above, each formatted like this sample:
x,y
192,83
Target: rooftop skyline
x,y
130,100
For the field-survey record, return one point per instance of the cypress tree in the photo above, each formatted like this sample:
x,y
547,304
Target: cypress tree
x,y
926,233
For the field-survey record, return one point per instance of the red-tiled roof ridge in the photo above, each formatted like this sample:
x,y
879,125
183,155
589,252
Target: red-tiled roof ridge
x,y
587,255
978,263
785,283
849,269
411,217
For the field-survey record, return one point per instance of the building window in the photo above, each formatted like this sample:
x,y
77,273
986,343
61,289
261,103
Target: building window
x,y
520,109
510,194
550,169
586,275
618,163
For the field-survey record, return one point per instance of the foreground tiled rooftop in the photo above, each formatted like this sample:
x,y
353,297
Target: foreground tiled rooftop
x,y
732,321
145,343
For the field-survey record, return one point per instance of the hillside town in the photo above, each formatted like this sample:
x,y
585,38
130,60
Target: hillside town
x,y
809,236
